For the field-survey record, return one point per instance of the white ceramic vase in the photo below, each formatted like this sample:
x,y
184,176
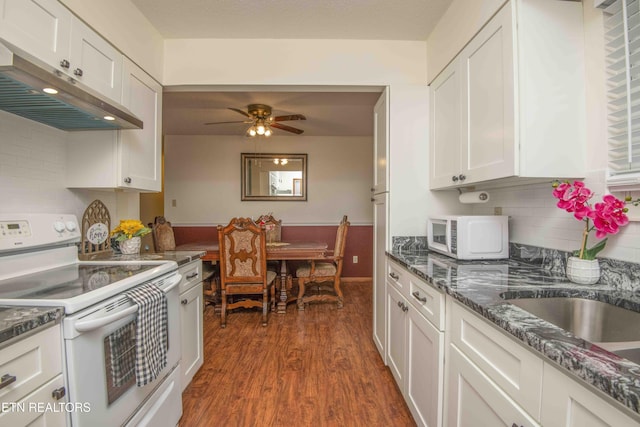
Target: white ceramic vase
x,y
130,246
583,271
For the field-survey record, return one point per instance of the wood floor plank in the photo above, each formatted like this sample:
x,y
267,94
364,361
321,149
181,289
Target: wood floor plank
x,y
318,367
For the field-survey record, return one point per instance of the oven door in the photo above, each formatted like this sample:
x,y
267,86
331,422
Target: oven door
x,y
100,355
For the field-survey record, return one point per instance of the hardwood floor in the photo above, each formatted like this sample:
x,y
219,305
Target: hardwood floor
x,y
319,367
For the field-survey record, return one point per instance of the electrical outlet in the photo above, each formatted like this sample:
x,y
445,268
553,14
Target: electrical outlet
x,y
497,210
173,203
355,259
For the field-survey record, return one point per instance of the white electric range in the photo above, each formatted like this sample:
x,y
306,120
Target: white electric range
x,y
39,266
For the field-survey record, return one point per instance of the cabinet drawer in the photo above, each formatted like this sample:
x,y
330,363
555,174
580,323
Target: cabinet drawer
x,y
38,408
191,275
474,400
428,301
397,276
33,361
511,366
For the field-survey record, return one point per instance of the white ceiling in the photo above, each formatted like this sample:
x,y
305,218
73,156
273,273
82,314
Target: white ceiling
x,y
294,19
328,114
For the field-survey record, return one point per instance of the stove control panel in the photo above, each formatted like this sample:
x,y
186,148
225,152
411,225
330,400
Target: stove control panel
x,y
23,231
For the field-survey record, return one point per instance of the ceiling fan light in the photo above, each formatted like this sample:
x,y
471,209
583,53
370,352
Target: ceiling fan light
x,y
252,131
260,129
268,131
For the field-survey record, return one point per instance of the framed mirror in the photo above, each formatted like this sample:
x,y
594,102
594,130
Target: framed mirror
x,y
274,176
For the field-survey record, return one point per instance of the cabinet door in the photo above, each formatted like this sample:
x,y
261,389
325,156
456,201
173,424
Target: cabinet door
x,y
381,143
40,27
488,139
191,333
38,408
379,271
396,327
140,149
565,403
445,107
474,400
424,370
95,62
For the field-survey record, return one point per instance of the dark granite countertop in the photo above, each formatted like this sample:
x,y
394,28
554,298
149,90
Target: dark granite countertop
x,y
15,321
484,285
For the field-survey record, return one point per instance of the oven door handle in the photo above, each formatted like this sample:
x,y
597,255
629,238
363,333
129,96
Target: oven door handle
x,y
90,325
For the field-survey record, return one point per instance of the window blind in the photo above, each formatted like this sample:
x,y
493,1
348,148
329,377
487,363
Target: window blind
x,y
622,55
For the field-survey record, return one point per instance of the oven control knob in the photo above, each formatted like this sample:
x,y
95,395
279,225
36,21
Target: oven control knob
x,y
71,226
59,226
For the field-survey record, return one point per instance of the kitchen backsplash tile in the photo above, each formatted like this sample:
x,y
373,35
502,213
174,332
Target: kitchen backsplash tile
x,y
408,243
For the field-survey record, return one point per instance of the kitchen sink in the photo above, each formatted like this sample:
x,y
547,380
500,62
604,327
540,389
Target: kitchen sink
x,y
613,328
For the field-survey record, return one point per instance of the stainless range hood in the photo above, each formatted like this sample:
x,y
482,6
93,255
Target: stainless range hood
x,y
74,107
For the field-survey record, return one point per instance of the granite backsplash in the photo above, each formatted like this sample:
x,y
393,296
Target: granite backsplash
x,y
621,275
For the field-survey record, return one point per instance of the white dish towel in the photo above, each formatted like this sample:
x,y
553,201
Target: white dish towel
x,y
152,338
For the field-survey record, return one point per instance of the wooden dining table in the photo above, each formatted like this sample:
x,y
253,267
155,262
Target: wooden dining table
x,y
277,251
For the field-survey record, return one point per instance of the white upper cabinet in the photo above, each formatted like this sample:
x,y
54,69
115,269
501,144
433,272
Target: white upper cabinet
x,y
445,125
95,62
49,32
141,149
40,27
124,159
381,143
511,105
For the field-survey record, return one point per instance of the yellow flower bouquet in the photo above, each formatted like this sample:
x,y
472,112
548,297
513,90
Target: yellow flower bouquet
x,y
129,228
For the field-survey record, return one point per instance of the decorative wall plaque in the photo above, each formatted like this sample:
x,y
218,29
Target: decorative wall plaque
x,y
96,223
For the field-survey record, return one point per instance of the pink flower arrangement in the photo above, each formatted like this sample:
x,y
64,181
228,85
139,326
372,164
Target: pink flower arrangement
x,y
607,216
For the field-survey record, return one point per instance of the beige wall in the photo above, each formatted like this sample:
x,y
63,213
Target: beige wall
x,y
203,177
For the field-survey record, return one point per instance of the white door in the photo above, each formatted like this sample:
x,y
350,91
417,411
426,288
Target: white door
x,y
396,337
191,304
141,149
445,127
40,27
380,203
381,143
488,148
473,400
95,62
424,370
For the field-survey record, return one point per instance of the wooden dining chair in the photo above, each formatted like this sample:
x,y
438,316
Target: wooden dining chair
x,y
243,267
319,280
273,227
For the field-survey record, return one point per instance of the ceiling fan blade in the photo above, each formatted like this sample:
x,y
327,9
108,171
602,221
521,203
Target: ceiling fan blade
x,y
237,110
289,117
220,123
287,128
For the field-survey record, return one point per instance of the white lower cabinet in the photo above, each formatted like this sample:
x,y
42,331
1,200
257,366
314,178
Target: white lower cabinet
x,y
474,400
415,344
191,317
493,380
566,403
32,386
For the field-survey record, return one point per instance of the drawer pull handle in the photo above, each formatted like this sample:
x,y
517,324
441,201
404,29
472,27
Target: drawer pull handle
x,y
184,302
416,295
192,275
6,380
405,307
400,304
58,393
394,276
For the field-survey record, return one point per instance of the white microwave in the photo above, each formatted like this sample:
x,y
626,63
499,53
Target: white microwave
x,y
469,237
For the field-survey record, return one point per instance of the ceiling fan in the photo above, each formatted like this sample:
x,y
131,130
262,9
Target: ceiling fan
x,y
259,117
